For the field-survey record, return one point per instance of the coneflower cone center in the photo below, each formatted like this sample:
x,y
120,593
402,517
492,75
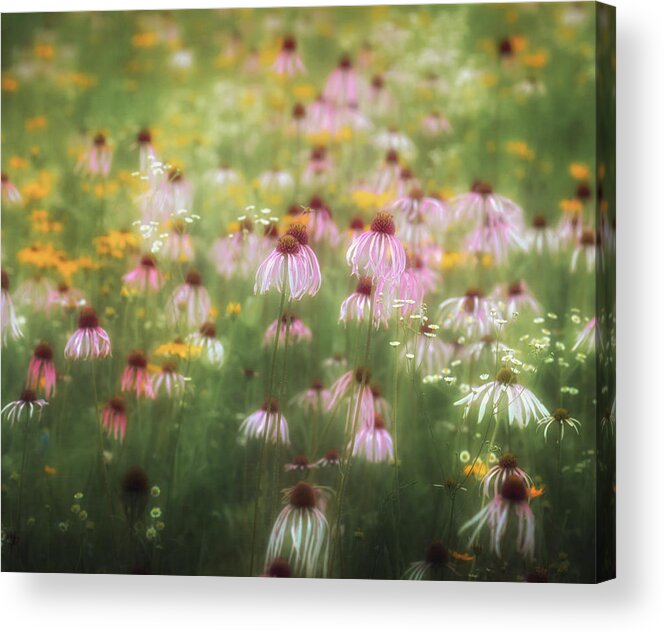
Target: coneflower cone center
x,y
363,375
364,286
383,223
299,232
437,554
43,351
138,360
88,319
193,278
514,490
302,496
288,245
506,376
560,414
508,461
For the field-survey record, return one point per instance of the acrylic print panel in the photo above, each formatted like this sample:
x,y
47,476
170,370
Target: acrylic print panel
x,y
322,292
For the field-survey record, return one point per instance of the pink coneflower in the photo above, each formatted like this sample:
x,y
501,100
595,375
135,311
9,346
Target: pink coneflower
x,y
373,442
299,463
146,277
322,117
586,248
314,399
571,226
320,224
41,370
9,191
66,298
89,340
496,237
136,376
211,347
512,498
486,350
298,331
381,405
379,100
421,269
9,325
288,60
431,354
267,421
236,254
540,237
178,246
560,418
437,559
517,297
387,176
356,306
506,399
356,227
496,476
435,124
330,459
279,568
354,387
416,215
292,267
28,402
225,175
300,533
341,87
318,166
586,340
169,380
147,155
169,192
96,158
483,206
473,313
378,253
406,182
114,418
35,292
275,180
189,301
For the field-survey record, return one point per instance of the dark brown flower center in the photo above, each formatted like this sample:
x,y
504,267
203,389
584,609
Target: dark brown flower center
x,y
364,286
193,278
300,461
363,375
379,422
298,111
377,82
560,414
169,367
88,319
508,461
135,482
437,554
383,223
148,261
583,191
332,456
5,280
302,496
279,568
288,245
588,238
506,376
516,288
392,157
99,140
43,351
137,359
28,395
208,330
539,222
289,45
514,490
271,406
144,137
117,404
483,188
299,232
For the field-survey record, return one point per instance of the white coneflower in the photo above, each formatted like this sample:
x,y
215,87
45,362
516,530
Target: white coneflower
x,y
497,475
211,347
300,533
504,394
28,402
560,418
586,247
437,558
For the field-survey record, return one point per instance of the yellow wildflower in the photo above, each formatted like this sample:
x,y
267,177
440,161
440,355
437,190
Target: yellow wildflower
x,y
579,171
178,348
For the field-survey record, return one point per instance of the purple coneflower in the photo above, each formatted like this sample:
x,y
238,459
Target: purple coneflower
x,y
66,298
377,253
517,296
497,475
189,301
270,416
178,245
28,402
437,558
503,395
485,207
435,124
288,60
41,370
299,463
236,254
96,158
292,267
169,380
356,306
9,325
146,276
301,529
354,386
431,353
211,347
9,191
35,292
586,248
89,340
315,398
330,459
373,442
341,87
320,224
541,237
114,418
473,313
147,154
512,498
297,330
136,376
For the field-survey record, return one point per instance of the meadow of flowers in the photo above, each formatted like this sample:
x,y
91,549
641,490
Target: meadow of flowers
x,y
309,292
